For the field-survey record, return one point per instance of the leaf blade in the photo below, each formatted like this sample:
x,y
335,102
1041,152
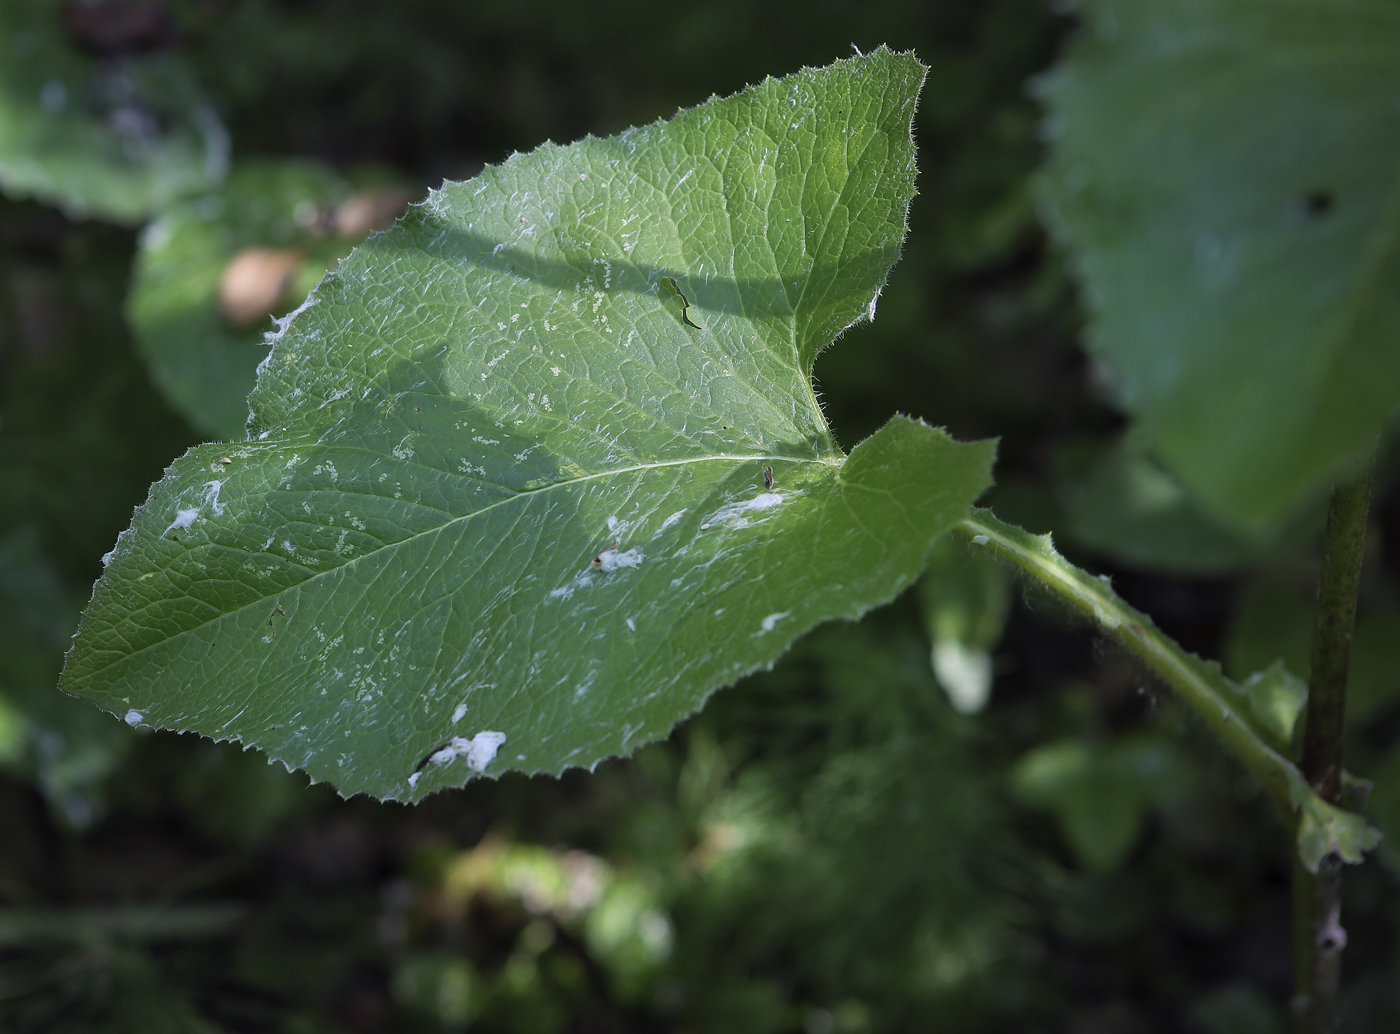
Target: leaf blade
x,y
460,421
1227,174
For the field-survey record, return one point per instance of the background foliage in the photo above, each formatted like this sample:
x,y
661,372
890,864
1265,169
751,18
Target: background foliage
x,y
832,846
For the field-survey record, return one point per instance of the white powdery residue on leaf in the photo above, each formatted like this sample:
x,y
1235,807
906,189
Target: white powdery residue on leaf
x,y
111,554
610,560
183,519
211,496
672,519
283,322
459,713
134,718
413,780
479,751
771,621
980,540
733,514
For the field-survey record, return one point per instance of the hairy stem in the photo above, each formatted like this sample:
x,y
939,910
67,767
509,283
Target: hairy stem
x,y
1318,937
1320,828
1200,684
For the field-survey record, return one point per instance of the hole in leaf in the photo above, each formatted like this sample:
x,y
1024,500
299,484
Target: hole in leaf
x,y
1317,203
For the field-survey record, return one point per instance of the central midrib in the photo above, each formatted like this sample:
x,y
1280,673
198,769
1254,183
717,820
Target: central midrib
x,y
831,461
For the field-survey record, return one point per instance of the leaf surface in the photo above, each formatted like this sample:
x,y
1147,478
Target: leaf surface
x,y
1227,171
504,503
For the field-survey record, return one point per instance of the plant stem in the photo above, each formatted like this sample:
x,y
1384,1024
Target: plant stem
x,y
1320,829
1199,683
1318,937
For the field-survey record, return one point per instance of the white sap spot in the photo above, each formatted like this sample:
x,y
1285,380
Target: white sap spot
x,y
771,621
980,540
672,519
459,713
413,780
134,718
183,519
631,625
479,751
964,673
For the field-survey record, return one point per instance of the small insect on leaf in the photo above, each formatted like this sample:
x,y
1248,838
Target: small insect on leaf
x,y
669,288
767,477
601,561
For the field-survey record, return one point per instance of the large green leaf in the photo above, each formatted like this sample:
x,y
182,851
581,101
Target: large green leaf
x,y
1122,504
114,136
507,480
1227,173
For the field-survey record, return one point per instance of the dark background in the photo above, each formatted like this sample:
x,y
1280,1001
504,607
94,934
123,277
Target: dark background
x,y
831,847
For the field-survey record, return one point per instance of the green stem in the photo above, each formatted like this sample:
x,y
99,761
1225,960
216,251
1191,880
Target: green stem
x,y
1319,827
1318,938
1199,683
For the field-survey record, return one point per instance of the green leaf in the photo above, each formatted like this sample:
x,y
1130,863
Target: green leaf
x,y
204,360
1324,829
1276,698
67,748
1126,506
965,597
1226,171
499,507
1101,796
114,137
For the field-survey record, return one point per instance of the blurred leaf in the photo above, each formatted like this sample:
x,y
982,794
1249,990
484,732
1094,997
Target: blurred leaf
x,y
205,359
1383,804
1276,698
491,480
1130,509
1239,1009
1373,685
1101,796
1226,171
114,136
1273,622
439,985
49,736
965,597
